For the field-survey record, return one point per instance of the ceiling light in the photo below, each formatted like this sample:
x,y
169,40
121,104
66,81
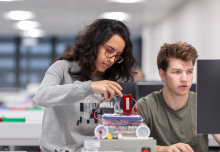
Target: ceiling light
x,y
34,33
126,1
19,15
9,0
121,16
27,41
26,25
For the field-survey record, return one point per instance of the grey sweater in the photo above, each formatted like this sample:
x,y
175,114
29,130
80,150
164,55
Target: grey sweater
x,y
60,95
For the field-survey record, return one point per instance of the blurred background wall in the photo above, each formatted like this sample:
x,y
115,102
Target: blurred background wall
x,y
197,23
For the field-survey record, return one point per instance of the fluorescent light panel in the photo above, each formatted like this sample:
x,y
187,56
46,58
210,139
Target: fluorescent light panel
x,y
28,41
19,15
26,25
9,0
34,33
121,16
126,1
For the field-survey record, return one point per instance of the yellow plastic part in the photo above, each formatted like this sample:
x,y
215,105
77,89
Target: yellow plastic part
x,y
109,136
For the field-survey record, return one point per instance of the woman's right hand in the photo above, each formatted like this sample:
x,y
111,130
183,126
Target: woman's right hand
x,y
107,88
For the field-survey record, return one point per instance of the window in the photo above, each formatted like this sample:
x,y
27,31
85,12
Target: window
x,y
21,64
7,62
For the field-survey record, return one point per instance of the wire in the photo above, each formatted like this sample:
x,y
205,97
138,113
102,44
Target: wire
x,y
130,123
114,125
135,109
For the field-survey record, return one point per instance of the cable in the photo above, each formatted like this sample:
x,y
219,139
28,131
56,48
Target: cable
x,y
114,125
135,109
130,123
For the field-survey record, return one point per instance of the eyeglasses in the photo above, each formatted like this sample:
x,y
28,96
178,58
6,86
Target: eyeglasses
x,y
110,53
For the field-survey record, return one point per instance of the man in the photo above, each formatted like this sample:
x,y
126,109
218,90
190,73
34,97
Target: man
x,y
171,112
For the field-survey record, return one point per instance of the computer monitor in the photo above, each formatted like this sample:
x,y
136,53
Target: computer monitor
x,y
208,96
145,88
129,88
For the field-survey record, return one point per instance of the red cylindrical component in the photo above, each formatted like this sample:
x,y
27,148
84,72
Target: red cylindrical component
x,y
127,104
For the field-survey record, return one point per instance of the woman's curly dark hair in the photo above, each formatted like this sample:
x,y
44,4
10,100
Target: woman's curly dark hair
x,y
86,51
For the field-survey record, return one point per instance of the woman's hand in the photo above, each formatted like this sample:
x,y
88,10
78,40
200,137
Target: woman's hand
x,y
107,88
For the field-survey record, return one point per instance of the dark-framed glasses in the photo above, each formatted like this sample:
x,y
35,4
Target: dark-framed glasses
x,y
110,53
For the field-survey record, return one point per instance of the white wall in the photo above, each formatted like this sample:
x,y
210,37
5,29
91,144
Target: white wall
x,y
197,23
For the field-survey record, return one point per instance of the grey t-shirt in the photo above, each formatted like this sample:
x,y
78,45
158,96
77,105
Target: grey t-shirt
x,y
60,95
170,127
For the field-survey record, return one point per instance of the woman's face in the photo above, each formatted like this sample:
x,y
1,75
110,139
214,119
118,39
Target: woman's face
x,y
115,45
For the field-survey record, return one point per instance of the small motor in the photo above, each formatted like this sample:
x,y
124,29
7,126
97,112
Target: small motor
x,y
127,104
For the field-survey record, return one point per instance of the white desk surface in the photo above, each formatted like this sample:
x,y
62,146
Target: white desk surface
x,y
28,133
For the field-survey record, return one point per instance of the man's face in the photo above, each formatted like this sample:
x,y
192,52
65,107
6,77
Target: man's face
x,y
178,77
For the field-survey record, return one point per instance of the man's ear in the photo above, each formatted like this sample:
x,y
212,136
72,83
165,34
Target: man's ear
x,y
162,74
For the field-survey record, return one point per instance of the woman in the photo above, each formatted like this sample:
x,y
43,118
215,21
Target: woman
x,y
102,56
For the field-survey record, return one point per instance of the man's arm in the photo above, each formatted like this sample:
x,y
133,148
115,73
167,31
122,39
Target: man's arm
x,y
179,147
217,138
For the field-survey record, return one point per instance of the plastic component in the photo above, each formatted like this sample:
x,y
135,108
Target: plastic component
x,y
101,132
143,131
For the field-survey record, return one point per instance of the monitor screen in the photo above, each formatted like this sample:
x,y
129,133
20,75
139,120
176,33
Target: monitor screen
x,y
208,96
129,88
145,88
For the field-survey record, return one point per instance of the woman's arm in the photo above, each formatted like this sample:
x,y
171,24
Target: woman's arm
x,y
53,91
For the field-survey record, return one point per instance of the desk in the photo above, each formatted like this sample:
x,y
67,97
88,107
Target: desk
x,y
28,133
21,133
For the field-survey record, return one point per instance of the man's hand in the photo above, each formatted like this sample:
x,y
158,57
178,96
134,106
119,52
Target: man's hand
x,y
217,137
178,147
107,88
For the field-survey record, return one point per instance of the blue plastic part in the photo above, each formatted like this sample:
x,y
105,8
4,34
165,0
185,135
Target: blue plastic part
x,y
122,117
